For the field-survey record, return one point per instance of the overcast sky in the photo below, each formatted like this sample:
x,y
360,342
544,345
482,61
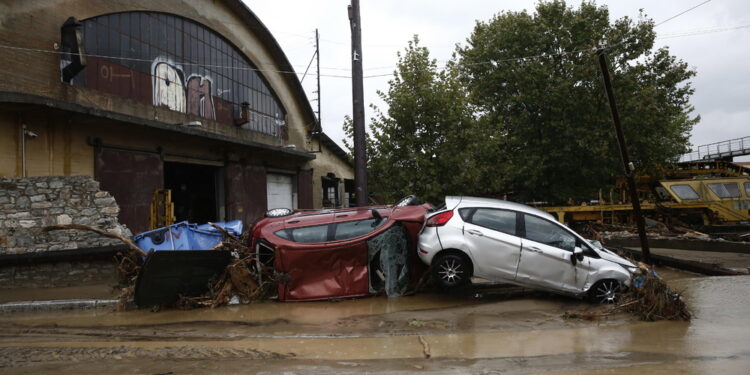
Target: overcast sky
x,y
722,86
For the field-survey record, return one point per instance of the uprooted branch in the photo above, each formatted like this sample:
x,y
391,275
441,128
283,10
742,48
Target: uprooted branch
x,y
102,232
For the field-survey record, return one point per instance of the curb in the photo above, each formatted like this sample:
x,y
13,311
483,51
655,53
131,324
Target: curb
x,y
55,305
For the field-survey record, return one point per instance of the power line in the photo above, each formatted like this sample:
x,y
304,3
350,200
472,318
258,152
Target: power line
x,y
681,13
511,59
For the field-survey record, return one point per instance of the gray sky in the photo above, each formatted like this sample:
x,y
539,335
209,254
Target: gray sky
x,y
722,86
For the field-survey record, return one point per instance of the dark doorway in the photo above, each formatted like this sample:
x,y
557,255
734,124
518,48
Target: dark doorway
x,y
193,191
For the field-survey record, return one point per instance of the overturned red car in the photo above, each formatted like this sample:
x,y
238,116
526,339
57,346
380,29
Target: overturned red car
x,y
342,253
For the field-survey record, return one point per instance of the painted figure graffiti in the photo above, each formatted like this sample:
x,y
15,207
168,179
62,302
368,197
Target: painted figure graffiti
x,y
171,90
199,96
167,85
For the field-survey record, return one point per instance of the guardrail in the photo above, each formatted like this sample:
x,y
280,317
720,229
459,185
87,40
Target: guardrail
x,y
719,150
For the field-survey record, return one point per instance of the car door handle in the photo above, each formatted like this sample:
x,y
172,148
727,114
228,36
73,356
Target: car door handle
x,y
475,232
534,249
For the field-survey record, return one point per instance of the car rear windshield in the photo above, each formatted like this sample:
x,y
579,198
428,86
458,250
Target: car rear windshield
x,y
332,232
725,189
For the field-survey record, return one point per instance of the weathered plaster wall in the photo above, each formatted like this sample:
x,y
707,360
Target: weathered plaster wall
x,y
327,162
36,24
29,204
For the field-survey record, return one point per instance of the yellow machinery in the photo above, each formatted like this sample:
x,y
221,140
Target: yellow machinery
x,y
162,209
711,193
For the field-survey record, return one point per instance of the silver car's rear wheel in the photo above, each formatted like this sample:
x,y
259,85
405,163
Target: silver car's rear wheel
x,y
605,291
451,270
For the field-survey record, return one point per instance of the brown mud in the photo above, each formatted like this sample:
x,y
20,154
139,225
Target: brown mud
x,y
488,330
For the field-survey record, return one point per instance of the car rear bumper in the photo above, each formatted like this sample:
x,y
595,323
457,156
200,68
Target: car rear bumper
x,y
429,244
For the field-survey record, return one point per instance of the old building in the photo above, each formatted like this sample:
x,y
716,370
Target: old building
x,y
195,96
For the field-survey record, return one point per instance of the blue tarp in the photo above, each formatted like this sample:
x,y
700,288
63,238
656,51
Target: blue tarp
x,y
186,236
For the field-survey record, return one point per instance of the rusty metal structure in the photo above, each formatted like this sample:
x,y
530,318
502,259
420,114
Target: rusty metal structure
x,y
700,193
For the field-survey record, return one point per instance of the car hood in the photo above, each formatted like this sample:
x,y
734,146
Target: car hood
x,y
614,258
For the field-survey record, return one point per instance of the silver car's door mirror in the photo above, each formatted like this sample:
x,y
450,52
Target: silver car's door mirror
x,y
577,254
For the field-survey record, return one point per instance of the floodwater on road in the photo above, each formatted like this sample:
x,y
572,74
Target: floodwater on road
x,y
485,331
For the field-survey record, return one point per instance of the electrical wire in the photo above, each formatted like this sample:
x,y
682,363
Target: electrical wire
x,y
493,62
681,13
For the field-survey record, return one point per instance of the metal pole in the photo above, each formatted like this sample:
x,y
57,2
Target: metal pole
x,y
358,115
629,168
317,55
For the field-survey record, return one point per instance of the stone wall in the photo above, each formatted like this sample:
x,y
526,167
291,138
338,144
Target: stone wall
x,y
29,204
58,274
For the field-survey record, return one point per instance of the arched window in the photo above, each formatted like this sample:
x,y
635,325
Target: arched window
x,y
169,61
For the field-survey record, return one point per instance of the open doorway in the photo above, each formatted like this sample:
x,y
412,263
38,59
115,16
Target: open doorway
x,y
194,191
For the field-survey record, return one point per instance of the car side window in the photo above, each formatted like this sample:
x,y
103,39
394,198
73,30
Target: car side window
x,y
499,220
544,231
316,233
350,229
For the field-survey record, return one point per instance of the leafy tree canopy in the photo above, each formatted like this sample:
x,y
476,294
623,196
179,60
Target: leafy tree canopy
x,y
538,128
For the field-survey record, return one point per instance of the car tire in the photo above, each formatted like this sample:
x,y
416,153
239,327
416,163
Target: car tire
x,y
605,291
451,271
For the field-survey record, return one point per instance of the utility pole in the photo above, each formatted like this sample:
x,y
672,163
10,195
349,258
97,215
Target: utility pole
x,y
358,113
629,168
317,55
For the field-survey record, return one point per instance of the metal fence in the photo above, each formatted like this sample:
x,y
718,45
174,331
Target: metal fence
x,y
718,150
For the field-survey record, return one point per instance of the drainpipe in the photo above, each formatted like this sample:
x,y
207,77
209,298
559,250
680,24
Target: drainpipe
x,y
25,133
23,150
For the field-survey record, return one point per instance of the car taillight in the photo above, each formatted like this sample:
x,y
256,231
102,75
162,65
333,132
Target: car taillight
x,y
440,219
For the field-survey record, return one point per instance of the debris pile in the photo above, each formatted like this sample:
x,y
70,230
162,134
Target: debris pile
x,y
650,298
244,280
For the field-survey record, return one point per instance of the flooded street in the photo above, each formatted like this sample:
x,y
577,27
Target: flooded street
x,y
491,330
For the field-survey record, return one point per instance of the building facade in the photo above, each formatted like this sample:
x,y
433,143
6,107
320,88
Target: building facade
x,y
193,96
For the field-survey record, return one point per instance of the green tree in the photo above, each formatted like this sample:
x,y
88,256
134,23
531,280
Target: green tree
x,y
552,135
422,143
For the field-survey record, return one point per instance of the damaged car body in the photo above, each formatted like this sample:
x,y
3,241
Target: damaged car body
x,y
517,244
342,253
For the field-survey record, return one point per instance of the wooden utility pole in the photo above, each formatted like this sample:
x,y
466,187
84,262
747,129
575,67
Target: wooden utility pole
x,y
358,113
629,168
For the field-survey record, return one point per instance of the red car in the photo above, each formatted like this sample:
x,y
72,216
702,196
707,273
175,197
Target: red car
x,y
342,253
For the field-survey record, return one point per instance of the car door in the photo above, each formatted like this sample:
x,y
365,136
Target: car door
x,y
546,256
491,235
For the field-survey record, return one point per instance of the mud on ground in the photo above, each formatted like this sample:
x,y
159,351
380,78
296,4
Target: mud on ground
x,y
483,330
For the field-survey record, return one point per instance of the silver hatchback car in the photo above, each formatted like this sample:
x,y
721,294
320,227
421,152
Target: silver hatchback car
x,y
517,244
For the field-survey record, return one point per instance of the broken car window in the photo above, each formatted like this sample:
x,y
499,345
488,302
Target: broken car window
x,y
543,231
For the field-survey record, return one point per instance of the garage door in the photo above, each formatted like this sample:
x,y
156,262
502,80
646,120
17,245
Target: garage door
x,y
280,191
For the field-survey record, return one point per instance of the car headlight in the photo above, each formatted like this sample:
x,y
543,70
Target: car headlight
x,y
632,270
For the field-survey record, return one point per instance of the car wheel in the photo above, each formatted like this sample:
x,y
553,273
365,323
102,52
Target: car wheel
x,y
451,270
605,291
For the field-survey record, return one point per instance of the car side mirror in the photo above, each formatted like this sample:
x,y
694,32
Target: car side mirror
x,y
577,254
377,216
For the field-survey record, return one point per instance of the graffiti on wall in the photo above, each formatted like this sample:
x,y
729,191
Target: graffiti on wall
x,y
172,90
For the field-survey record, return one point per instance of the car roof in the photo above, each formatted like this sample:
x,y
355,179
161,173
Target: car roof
x,y
494,203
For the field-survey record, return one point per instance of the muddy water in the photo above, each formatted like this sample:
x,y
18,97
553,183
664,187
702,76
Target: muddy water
x,y
463,334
